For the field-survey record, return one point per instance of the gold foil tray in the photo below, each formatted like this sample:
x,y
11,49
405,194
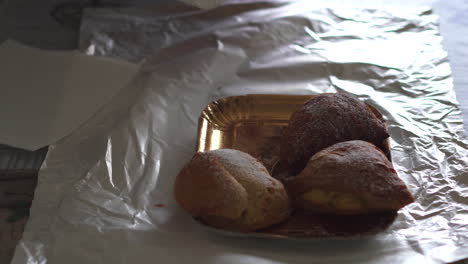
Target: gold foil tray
x,y
254,124
250,123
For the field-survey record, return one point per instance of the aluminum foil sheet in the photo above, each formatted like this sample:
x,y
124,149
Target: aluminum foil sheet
x,y
105,192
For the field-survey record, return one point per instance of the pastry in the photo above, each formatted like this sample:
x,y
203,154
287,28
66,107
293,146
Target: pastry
x,y
230,189
352,177
325,120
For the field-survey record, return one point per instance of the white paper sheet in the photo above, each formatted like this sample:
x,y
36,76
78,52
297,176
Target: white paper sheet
x,y
45,95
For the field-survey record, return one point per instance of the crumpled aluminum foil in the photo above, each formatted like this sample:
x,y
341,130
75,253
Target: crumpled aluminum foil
x,y
105,192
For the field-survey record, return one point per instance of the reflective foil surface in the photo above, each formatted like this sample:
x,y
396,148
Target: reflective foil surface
x,y
105,192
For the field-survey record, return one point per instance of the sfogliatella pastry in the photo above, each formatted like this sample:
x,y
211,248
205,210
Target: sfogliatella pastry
x,y
230,189
325,120
352,177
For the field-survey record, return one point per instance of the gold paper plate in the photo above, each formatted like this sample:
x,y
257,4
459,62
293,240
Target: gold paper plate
x,y
250,123
254,124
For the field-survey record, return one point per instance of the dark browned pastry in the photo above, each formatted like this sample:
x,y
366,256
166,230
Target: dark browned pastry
x,y
352,177
325,120
230,189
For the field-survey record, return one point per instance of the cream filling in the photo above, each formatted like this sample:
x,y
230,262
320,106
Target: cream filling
x,y
336,200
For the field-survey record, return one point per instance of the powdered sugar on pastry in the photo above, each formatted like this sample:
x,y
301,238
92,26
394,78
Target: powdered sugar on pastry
x,y
325,120
230,189
352,177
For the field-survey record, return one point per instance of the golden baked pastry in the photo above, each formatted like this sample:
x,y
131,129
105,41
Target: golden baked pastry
x,y
230,189
352,177
325,120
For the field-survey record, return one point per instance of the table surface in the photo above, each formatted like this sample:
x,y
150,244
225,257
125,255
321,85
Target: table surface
x,y
30,22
